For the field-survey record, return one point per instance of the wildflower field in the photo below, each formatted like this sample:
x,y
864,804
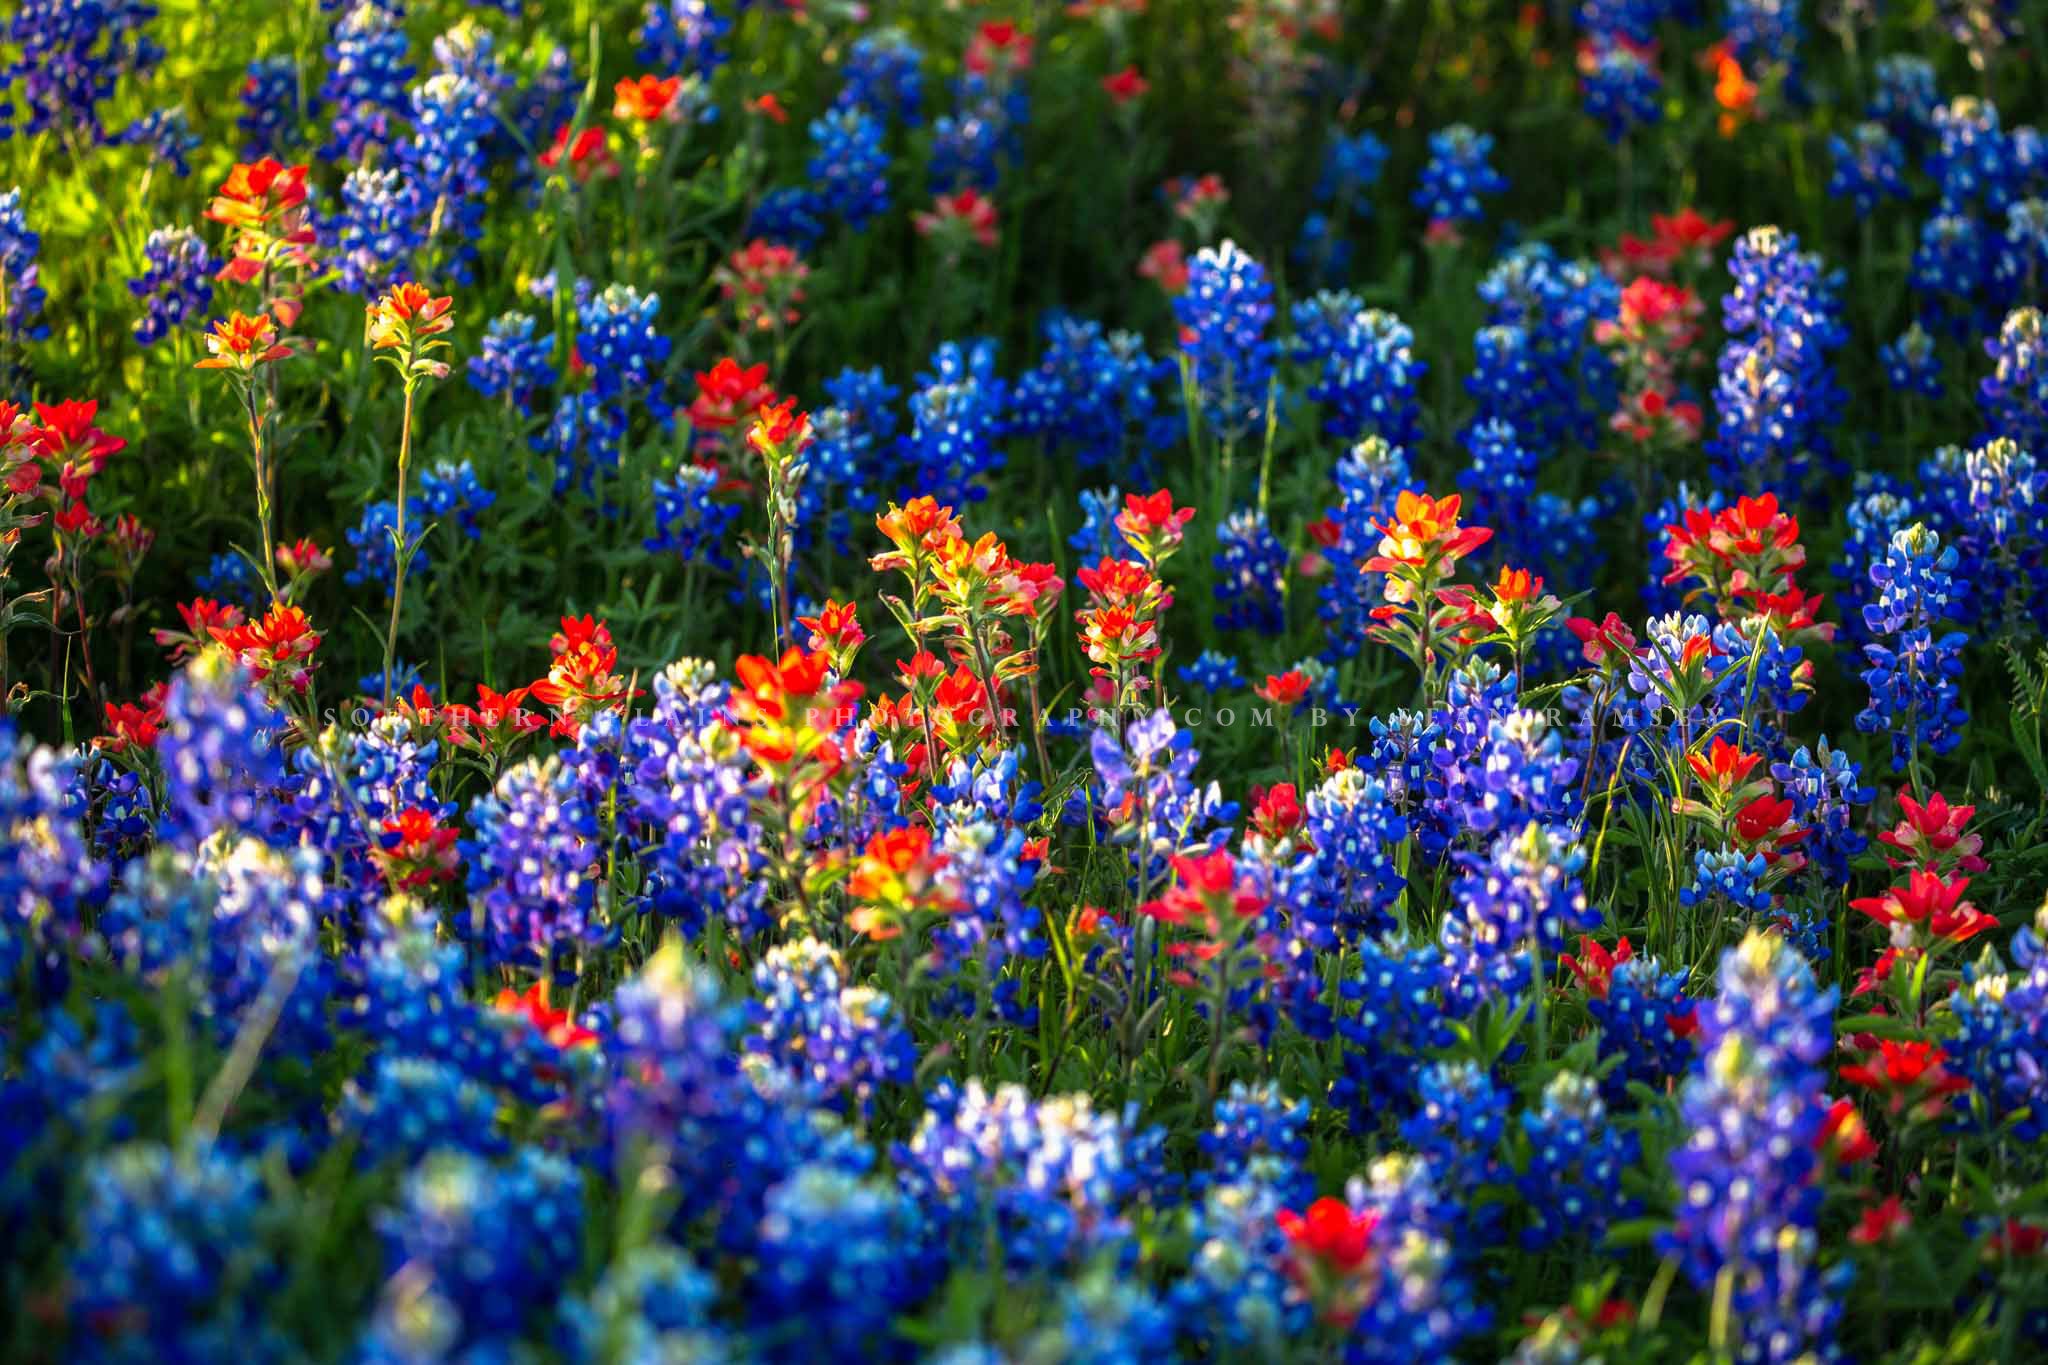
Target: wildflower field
x,y
1008,683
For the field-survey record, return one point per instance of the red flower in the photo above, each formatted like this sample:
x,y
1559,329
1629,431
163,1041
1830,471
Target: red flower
x,y
1425,532
303,556
130,727
1724,767
1126,85
554,1025
282,642
588,155
1843,1138
1932,836
898,875
1601,640
204,619
1165,263
728,394
1596,971
1909,1076
1284,689
580,682
768,106
998,46
957,218
1927,904
1330,1257
1276,812
240,342
1883,1222
1152,525
414,850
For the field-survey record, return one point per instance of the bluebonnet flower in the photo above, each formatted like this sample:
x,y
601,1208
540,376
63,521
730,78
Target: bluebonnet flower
x,y
1258,1129
168,136
1456,1129
1351,167
1572,1184
2019,258
1056,1179
48,880
1095,396
1251,574
1868,167
543,103
1457,175
405,677
584,434
534,859
351,782
19,275
415,1001
683,796
849,169
1149,795
2014,397
653,1303
1748,1174
981,812
1824,789
789,216
1911,364
1368,369
176,282
512,361
1777,394
1880,507
1621,88
269,120
677,1083
377,231
446,167
1524,897
1212,673
413,1105
364,92
450,489
616,338
1554,309
1914,663
689,519
1356,831
219,745
1500,483
681,37
70,58
376,554
1368,478
1973,162
1730,874
123,817
957,415
491,1242
830,1039
1646,1023
171,1258
1400,1019
2001,1042
1492,767
1635,20
1097,537
972,145
1235,1295
1952,272
62,1086
1419,1304
1763,32
883,72
841,1258
1224,313
1907,95
1320,252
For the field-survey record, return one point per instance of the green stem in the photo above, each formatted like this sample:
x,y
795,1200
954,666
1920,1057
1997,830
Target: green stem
x,y
398,539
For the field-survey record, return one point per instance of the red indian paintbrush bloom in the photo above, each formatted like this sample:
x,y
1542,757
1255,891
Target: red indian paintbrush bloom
x,y
588,154
1152,525
647,99
1927,909
958,219
580,681
281,644
1909,1077
263,204
1330,1257
898,877
415,850
558,1026
1126,86
1933,837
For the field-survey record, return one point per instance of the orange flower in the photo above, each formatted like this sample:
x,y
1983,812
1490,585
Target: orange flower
x,y
1733,91
898,875
281,643
768,106
241,343
1425,534
647,99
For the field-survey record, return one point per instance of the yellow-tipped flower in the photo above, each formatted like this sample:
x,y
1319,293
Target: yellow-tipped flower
x,y
241,343
410,320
